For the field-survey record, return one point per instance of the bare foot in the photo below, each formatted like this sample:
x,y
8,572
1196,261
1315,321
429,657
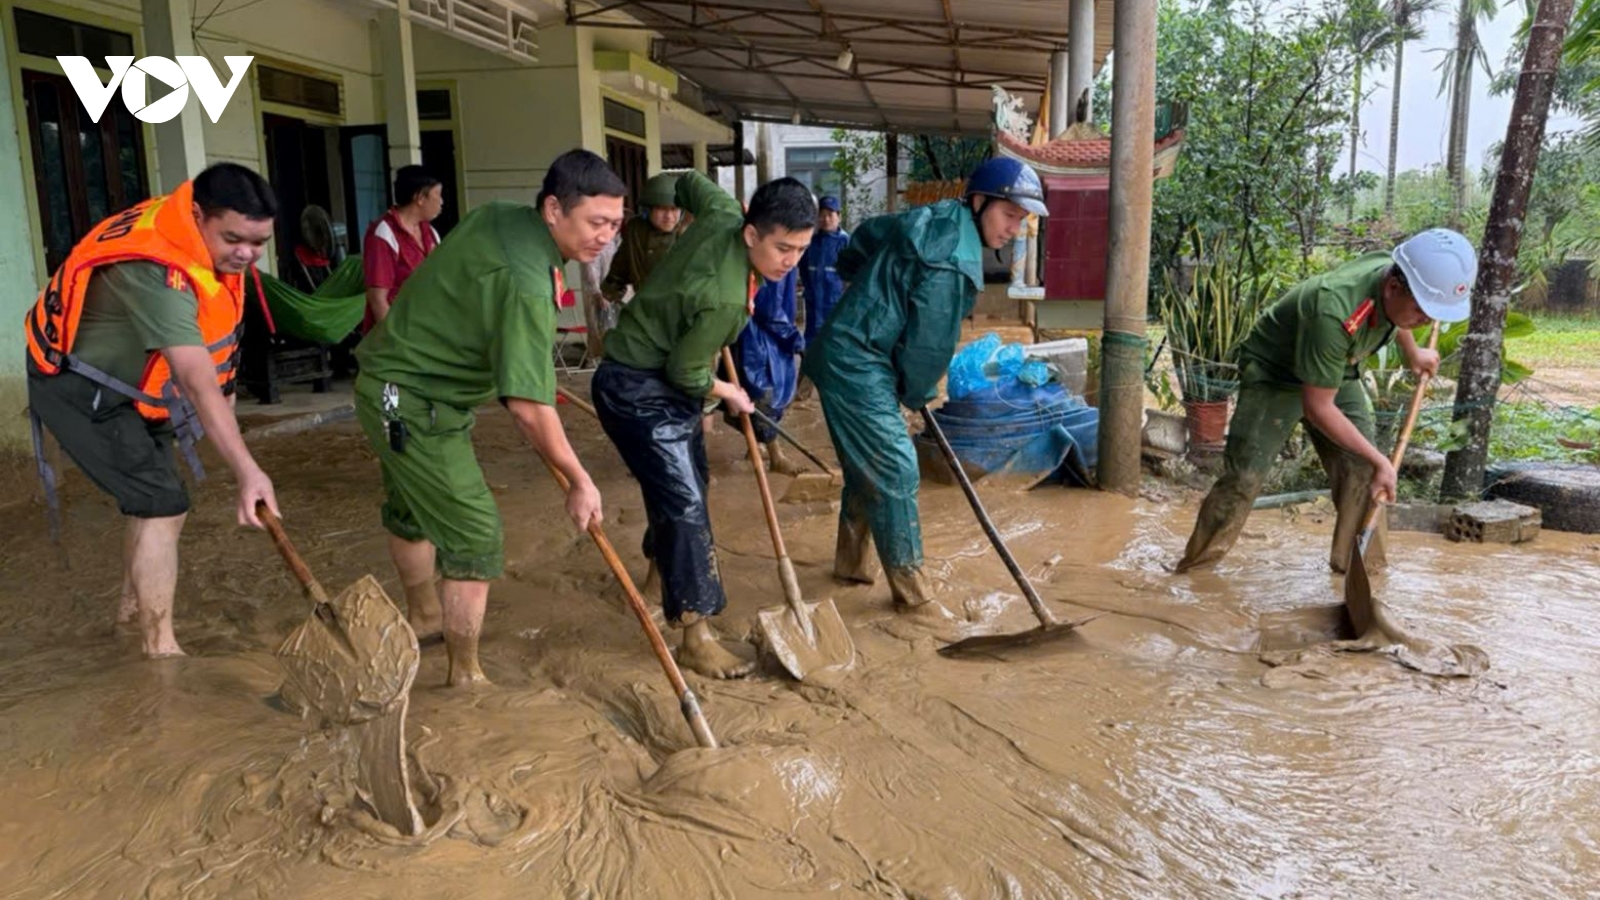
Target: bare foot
x,y
166,650
781,463
464,668
701,652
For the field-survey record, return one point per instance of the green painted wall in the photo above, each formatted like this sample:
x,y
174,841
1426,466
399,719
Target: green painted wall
x,y
19,283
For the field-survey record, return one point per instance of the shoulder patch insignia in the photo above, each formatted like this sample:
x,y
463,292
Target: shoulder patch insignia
x,y
176,279
558,285
1360,316
750,300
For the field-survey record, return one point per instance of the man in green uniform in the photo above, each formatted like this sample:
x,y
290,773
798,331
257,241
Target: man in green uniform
x,y
645,239
912,278
483,332
651,389
1301,363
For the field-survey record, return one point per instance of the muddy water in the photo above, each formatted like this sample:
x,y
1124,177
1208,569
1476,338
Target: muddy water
x,y
1153,755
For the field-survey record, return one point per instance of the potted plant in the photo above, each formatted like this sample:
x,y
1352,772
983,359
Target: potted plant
x,y
1208,311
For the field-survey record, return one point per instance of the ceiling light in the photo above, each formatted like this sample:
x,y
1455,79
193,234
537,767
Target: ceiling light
x,y
795,119
847,58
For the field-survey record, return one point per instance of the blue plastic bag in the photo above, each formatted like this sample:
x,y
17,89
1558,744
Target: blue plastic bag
x,y
1035,373
1008,362
967,369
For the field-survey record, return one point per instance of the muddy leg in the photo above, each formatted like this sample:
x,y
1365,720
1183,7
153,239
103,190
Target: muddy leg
x,y
700,651
913,594
128,606
1262,421
153,571
1350,479
415,561
464,606
781,462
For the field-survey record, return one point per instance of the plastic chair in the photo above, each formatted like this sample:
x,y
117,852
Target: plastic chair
x,y
570,324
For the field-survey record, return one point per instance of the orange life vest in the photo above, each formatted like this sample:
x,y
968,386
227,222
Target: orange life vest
x,y
161,230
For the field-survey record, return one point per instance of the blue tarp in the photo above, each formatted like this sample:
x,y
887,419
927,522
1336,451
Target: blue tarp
x,y
1007,426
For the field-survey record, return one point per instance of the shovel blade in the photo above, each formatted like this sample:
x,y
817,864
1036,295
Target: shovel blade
x,y
833,651
359,662
812,487
1044,635
1358,589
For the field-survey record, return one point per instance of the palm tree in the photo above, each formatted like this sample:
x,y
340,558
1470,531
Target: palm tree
x,y
1369,33
1457,67
1407,17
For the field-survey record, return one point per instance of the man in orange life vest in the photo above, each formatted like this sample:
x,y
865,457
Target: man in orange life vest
x,y
131,345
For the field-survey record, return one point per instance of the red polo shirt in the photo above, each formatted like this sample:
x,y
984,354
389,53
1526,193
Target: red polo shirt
x,y
389,254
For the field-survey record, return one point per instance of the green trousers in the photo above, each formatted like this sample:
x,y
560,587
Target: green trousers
x,y
1263,419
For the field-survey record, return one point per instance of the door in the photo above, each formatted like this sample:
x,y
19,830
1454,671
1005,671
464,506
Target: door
x,y
632,163
364,154
84,171
439,158
297,167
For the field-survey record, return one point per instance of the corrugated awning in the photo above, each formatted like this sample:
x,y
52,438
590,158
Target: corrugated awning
x,y
914,66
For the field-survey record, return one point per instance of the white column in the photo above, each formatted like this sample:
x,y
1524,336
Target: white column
x,y
1080,57
399,85
181,141
1060,116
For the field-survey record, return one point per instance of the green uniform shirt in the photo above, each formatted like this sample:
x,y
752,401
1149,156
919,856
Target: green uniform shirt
x,y
695,301
643,248
129,311
486,317
1316,333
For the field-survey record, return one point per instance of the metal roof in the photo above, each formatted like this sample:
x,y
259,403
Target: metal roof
x,y
912,65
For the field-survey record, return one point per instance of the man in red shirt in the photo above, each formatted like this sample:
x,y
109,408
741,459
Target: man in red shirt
x,y
397,243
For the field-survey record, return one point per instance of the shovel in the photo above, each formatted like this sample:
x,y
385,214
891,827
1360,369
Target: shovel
x,y
807,486
1049,627
806,638
687,702
353,660
1357,587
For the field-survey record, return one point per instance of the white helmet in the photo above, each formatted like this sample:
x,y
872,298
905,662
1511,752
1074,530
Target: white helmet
x,y
1440,266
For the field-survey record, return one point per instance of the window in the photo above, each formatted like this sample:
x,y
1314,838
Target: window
x,y
48,36
433,105
624,118
294,89
813,167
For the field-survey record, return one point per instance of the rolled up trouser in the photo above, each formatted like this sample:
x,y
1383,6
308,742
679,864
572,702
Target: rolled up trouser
x,y
880,470
656,428
1263,419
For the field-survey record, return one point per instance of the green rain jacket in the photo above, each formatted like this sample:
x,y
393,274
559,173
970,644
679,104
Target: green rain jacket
x,y
912,278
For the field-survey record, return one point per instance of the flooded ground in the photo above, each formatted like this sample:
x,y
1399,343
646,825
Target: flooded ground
x,y
1153,755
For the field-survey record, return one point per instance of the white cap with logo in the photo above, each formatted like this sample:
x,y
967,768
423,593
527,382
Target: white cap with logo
x,y
1440,266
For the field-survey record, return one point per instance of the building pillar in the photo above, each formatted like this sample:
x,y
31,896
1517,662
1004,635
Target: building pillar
x,y
1080,59
738,161
1060,116
891,146
181,141
702,158
1122,348
399,85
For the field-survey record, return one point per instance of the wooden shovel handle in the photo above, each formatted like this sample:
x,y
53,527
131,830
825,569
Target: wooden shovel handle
x,y
577,401
1403,440
302,572
755,463
687,702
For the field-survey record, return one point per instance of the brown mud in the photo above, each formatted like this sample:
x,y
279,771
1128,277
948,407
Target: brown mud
x,y
1154,754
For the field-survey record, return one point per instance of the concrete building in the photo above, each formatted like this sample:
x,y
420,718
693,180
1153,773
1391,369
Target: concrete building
x,y
337,95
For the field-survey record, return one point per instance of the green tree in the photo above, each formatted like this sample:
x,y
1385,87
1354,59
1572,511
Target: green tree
x,y
1466,55
1266,87
1369,31
1407,16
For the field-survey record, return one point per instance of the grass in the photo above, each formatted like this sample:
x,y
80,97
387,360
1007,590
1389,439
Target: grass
x,y
1564,342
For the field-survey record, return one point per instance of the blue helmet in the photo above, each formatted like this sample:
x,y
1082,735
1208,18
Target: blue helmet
x,y
1009,179
829,202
